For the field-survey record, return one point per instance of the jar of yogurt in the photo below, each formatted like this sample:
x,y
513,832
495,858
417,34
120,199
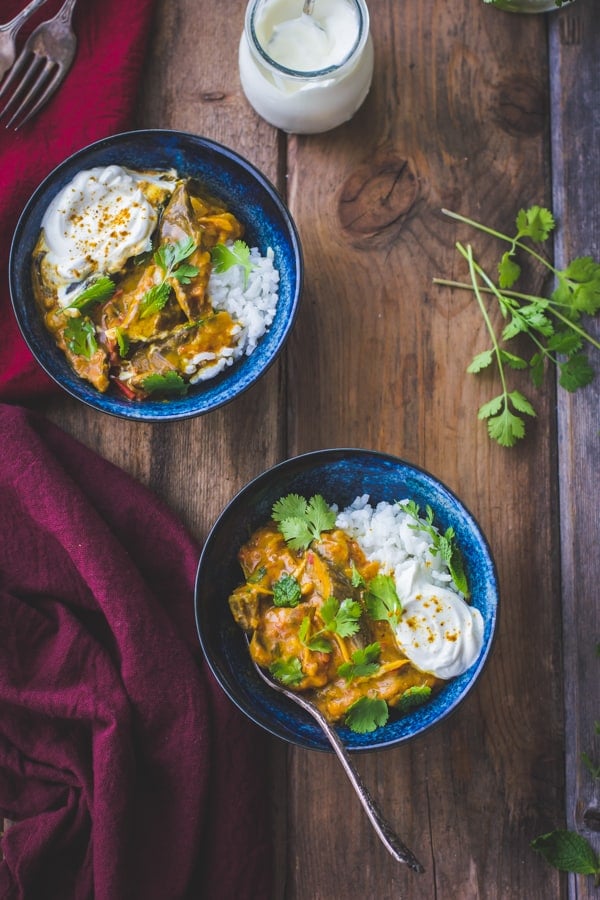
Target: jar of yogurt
x,y
306,73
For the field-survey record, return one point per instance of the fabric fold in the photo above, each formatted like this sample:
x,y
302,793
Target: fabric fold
x,y
128,772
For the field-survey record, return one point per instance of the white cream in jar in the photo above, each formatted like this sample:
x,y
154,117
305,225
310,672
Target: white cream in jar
x,y
306,74
99,220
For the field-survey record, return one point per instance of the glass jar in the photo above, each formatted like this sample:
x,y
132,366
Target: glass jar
x,y
306,74
528,6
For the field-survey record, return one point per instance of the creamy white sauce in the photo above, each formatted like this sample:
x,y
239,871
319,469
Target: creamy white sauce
x,y
439,632
97,222
307,43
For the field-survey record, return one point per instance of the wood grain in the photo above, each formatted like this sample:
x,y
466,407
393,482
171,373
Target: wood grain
x,y
458,117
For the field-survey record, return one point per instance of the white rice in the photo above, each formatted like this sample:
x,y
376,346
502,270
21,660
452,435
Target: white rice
x,y
392,537
251,303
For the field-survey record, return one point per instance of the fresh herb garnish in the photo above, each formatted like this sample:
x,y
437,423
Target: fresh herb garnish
x,y
365,662
382,601
170,259
367,714
300,522
257,575
338,618
412,697
286,591
287,671
568,851
80,336
122,342
551,323
167,383
102,288
317,643
224,257
356,578
444,544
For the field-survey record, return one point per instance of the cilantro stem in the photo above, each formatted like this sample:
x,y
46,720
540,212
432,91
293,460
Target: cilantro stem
x,y
467,252
513,241
533,298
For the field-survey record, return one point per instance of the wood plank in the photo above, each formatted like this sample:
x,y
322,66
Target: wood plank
x,y
574,42
457,118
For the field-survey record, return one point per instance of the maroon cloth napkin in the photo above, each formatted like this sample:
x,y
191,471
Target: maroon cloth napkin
x,y
96,100
128,772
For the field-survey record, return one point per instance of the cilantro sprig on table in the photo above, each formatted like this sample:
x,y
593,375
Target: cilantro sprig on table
x,y
302,522
552,323
224,257
444,544
170,258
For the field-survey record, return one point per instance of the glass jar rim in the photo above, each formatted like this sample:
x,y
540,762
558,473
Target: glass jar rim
x,y
361,39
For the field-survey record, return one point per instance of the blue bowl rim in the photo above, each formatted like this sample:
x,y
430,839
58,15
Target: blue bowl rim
x,y
335,453
135,412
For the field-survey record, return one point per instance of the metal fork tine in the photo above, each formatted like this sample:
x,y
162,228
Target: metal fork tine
x,y
13,75
28,77
46,93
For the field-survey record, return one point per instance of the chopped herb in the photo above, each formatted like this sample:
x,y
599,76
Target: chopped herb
x,y
80,336
383,603
169,383
445,543
412,697
286,591
102,288
122,342
356,578
287,671
367,714
341,618
551,323
224,257
300,522
569,852
257,575
316,643
169,258
365,662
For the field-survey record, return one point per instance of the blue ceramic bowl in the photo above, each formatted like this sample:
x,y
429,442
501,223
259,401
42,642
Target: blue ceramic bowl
x,y
226,176
339,475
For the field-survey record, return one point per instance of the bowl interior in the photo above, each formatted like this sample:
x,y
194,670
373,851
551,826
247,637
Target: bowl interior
x,y
223,174
339,475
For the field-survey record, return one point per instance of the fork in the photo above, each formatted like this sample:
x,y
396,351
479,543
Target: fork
x,y
8,34
41,66
383,829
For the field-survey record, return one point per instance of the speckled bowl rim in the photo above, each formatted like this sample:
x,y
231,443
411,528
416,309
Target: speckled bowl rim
x,y
231,665
212,394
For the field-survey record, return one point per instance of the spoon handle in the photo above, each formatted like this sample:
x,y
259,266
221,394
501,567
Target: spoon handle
x,y
388,837
308,7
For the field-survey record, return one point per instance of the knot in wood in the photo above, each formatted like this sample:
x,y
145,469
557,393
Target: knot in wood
x,y
591,818
520,106
376,197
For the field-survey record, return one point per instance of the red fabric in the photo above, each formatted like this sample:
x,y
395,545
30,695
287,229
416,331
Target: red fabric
x,y
128,772
97,99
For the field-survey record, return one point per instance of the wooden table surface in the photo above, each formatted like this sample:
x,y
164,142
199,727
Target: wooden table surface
x,y
482,112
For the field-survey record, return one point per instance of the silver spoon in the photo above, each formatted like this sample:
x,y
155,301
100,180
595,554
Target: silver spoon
x,y
8,33
308,7
387,836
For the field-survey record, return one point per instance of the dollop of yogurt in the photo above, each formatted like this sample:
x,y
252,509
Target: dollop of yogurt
x,y
439,632
97,222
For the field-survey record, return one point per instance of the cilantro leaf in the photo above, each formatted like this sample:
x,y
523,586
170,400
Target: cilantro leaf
x,y
356,578
536,223
286,591
80,336
302,522
287,671
167,383
568,851
155,299
316,642
341,618
382,601
575,372
480,361
257,575
122,342
508,270
224,257
506,428
412,697
365,662
168,257
367,714
100,289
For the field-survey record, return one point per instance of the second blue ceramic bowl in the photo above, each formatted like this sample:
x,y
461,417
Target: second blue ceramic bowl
x,y
225,175
339,475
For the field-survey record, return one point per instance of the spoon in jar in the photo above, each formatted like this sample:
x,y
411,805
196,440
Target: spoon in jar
x,y
8,33
383,829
